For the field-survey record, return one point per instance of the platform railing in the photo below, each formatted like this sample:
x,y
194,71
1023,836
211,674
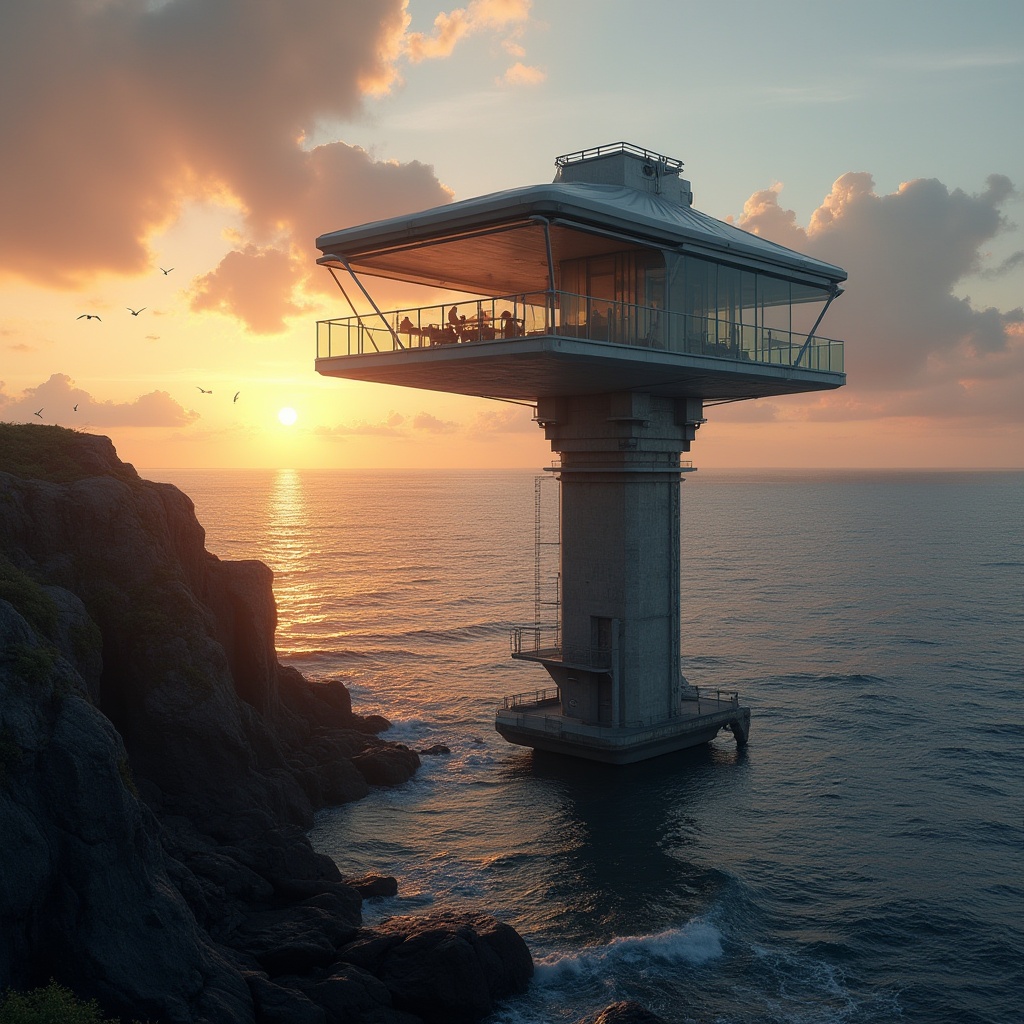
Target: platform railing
x,y
545,644
531,698
567,315
522,704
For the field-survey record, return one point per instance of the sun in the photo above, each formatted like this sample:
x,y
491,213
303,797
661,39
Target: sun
x,y
287,415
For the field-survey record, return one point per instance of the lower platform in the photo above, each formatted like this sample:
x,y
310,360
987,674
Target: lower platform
x,y
541,725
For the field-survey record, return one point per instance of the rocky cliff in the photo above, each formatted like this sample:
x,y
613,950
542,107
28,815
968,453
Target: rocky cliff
x,y
159,768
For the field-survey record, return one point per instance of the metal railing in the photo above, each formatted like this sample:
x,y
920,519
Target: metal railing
x,y
544,643
531,698
566,315
521,703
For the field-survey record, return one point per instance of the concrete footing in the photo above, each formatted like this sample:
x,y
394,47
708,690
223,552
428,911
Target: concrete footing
x,y
543,727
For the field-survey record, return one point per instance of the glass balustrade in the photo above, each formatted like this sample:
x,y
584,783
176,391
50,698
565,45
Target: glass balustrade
x,y
566,315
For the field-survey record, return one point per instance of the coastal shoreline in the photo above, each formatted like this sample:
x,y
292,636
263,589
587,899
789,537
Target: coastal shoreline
x,y
159,769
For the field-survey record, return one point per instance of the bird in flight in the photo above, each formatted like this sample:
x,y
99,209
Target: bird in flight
x,y
204,391
88,316
40,414
134,312
167,271
235,399
76,407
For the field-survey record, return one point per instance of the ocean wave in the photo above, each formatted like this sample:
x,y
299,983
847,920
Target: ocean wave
x,y
695,943
341,654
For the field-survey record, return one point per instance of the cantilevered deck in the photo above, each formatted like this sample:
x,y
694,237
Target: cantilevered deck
x,y
528,346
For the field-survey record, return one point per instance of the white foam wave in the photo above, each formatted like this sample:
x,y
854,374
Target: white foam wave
x,y
697,942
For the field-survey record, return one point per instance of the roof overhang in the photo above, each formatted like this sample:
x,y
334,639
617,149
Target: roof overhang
x,y
496,244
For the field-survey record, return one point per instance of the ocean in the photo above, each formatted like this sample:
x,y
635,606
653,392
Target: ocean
x,y
860,861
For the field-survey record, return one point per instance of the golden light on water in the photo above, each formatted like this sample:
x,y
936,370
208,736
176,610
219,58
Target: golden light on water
x,y
287,553
287,415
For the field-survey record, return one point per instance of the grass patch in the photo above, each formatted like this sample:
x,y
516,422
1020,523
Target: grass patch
x,y
43,452
33,665
51,1004
30,600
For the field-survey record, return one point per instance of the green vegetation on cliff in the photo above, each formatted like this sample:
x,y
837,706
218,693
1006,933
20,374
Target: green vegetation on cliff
x,y
28,597
47,453
51,1004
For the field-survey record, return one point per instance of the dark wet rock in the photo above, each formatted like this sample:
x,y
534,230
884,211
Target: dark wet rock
x,y
279,1004
387,765
437,748
624,1012
370,886
159,768
444,967
283,855
85,891
350,995
293,939
370,724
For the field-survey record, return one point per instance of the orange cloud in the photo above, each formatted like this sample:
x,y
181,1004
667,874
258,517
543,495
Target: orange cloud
x,y
522,74
57,400
253,284
432,425
503,419
450,28
126,112
391,426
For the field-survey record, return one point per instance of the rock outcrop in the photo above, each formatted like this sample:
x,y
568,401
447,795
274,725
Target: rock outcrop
x,y
159,768
624,1012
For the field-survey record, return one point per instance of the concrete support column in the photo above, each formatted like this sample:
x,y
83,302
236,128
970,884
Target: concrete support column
x,y
620,477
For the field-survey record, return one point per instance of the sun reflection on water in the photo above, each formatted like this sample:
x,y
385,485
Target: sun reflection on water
x,y
288,553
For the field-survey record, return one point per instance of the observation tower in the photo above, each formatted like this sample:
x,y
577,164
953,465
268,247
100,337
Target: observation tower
x,y
620,313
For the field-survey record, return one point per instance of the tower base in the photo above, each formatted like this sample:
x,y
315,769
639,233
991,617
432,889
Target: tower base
x,y
541,725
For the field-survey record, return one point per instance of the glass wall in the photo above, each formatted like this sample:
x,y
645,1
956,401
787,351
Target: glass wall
x,y
614,297
686,304
731,311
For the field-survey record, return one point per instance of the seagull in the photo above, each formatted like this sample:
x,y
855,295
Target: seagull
x,y
167,271
204,391
134,312
76,407
40,414
235,399
88,316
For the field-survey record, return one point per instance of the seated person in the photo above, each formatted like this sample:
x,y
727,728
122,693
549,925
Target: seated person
x,y
454,320
406,326
509,325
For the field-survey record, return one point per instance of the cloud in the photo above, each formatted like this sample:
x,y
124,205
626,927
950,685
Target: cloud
x,y
505,418
130,112
395,424
450,28
522,74
58,397
432,425
952,60
913,346
255,284
391,426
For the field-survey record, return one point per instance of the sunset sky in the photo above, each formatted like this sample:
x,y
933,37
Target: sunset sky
x,y
215,139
